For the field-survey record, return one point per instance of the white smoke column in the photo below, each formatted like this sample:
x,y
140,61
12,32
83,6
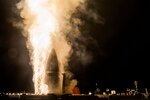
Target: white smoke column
x,y
45,25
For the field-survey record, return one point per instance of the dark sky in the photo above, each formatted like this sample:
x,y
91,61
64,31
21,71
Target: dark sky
x,y
120,56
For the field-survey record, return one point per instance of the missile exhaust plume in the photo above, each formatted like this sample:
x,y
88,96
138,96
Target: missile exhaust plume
x,y
45,25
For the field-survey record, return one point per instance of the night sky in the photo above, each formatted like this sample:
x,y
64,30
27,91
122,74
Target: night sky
x,y
120,47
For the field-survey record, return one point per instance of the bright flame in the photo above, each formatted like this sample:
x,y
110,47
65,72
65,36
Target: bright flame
x,y
45,25
40,31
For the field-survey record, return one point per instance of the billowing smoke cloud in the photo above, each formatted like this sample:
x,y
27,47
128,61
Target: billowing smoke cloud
x,y
53,26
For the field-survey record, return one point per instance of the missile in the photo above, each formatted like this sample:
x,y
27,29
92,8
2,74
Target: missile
x,y
53,75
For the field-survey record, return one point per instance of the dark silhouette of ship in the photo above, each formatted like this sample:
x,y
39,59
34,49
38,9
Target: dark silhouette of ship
x,y
53,77
3,96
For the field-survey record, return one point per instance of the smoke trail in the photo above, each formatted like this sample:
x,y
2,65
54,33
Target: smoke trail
x,y
45,25
52,30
